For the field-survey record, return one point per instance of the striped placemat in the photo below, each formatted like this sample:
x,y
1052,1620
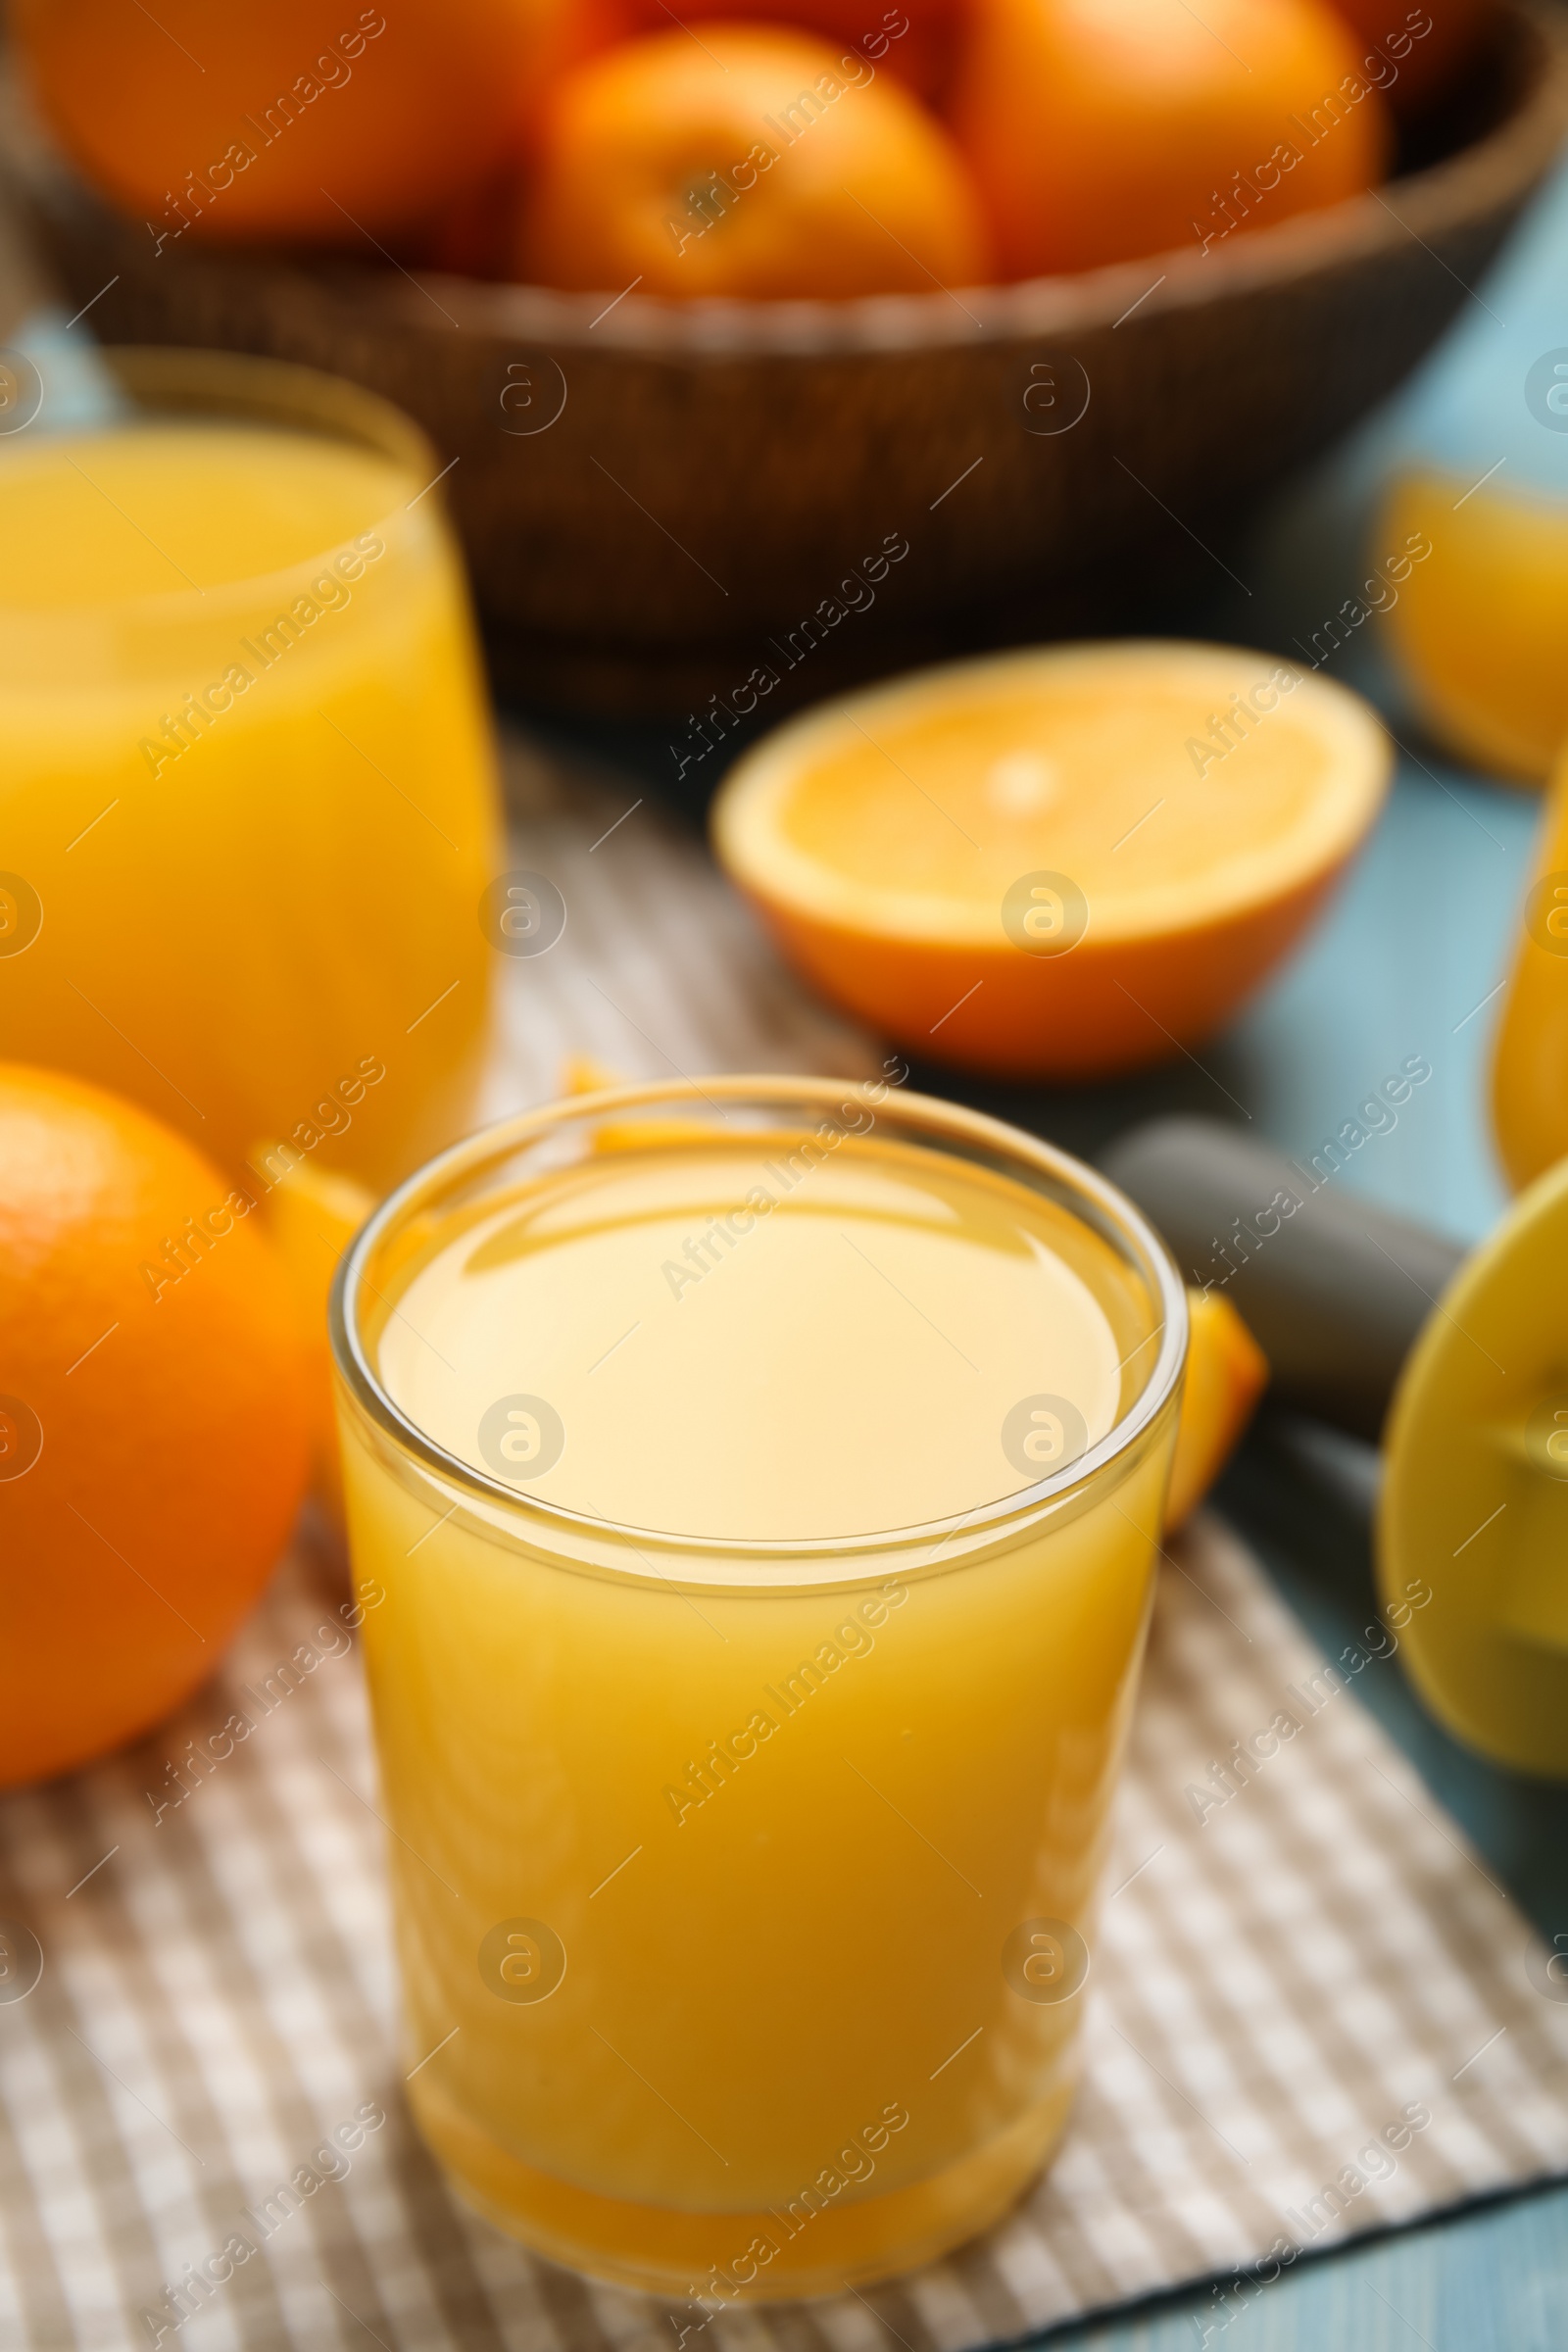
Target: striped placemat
x,y
1311,2012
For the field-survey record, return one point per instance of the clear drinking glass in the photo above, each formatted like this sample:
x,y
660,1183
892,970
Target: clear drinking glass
x,y
248,803
754,1487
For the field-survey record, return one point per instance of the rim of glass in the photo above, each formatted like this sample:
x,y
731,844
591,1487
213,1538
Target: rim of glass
x,y
176,380
492,1147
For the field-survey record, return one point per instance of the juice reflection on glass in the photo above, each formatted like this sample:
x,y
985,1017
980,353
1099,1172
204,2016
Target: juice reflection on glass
x,y
759,1524
247,807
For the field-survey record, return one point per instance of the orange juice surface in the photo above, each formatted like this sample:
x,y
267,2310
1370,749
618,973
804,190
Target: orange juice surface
x,y
246,789
749,1797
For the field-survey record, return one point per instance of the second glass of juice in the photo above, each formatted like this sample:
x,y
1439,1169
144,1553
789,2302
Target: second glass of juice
x,y
755,1504
248,805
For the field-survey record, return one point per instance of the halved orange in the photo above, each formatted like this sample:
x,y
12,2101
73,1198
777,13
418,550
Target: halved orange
x,y
1061,862
1478,617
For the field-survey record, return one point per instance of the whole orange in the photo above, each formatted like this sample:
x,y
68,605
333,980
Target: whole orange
x,y
314,119
1101,130
913,39
753,162
1416,54
154,1426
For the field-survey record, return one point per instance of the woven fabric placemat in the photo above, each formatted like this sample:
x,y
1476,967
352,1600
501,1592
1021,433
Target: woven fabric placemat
x,y
1311,2011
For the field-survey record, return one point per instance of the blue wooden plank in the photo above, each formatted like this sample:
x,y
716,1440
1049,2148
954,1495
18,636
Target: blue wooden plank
x,y
1494,2278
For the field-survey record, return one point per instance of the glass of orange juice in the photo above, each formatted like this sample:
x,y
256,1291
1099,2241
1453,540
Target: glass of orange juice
x,y
248,794
755,1503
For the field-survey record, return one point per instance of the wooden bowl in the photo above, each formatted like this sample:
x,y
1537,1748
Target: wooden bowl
x,y
671,508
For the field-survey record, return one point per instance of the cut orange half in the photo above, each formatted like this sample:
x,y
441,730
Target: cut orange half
x,y
1477,614
1061,862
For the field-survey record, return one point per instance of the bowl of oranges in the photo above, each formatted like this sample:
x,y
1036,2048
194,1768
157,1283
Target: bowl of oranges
x,y
788,342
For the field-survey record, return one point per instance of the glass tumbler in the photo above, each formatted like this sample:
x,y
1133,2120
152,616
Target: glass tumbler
x,y
248,805
754,1489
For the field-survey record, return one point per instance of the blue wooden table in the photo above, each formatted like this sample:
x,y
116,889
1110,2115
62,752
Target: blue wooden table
x,y
1409,961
